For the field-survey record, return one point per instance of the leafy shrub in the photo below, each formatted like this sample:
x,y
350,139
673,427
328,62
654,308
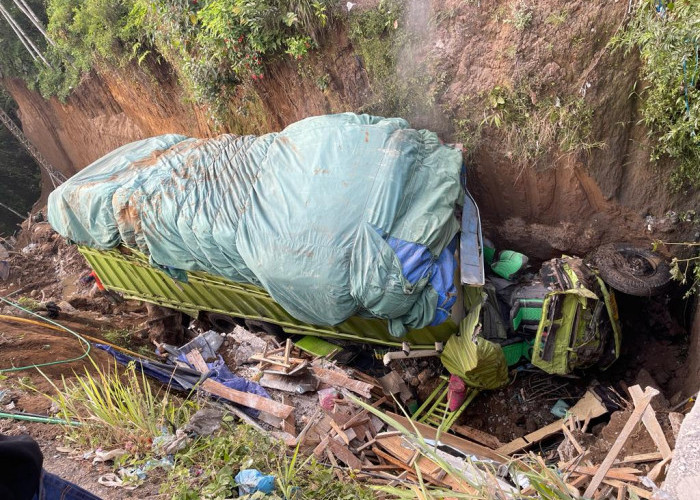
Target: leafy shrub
x,y
667,36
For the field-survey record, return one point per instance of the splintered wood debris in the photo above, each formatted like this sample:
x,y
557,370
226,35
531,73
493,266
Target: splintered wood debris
x,y
349,437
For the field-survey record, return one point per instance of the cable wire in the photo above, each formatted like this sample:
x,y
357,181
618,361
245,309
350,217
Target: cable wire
x,y
56,326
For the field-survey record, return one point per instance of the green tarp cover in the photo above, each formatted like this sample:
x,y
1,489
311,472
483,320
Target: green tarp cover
x,y
480,363
306,213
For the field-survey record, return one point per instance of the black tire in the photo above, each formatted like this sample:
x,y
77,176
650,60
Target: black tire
x,y
222,322
632,270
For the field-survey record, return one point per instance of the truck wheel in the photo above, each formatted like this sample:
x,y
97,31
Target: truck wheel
x,y
632,270
222,322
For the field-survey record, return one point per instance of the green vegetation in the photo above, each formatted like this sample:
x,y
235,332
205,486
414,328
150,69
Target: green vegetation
x,y
557,18
685,270
118,336
666,36
117,410
535,127
214,45
402,84
29,303
521,15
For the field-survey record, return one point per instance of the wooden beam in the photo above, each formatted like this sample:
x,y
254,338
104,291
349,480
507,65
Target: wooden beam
x,y
652,424
634,419
247,399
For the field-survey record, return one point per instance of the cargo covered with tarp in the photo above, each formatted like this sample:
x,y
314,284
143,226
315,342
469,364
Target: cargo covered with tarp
x,y
334,216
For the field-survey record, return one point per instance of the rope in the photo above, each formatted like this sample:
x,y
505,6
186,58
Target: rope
x,y
56,326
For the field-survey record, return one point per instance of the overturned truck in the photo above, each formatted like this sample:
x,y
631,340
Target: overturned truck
x,y
347,227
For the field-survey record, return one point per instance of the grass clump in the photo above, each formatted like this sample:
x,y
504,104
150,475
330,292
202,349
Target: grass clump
x,y
534,128
666,36
118,410
521,15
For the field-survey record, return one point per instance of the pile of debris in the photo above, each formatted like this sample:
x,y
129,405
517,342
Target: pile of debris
x,y
360,423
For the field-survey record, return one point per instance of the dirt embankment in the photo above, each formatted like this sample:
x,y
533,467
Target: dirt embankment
x,y
550,49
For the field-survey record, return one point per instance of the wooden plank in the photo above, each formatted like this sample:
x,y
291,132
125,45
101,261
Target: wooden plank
x,y
334,463
463,445
587,406
622,475
476,435
247,399
641,458
641,493
337,378
652,424
195,358
343,454
354,420
634,419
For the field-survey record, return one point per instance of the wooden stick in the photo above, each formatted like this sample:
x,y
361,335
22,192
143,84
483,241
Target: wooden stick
x,y
621,440
622,492
572,439
652,425
247,399
287,350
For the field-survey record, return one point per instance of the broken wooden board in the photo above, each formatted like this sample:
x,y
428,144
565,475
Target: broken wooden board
x,y
197,361
247,399
343,454
480,437
337,378
587,407
639,409
467,447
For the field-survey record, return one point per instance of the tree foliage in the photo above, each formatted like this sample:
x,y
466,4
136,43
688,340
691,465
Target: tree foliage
x,y
667,36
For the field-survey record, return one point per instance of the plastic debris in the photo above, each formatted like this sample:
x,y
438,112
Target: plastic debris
x,y
105,456
252,480
559,409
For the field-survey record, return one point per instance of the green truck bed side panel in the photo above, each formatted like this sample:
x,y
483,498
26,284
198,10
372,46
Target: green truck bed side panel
x,y
133,276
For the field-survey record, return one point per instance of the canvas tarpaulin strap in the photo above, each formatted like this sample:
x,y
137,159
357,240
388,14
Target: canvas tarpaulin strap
x,y
317,214
480,363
